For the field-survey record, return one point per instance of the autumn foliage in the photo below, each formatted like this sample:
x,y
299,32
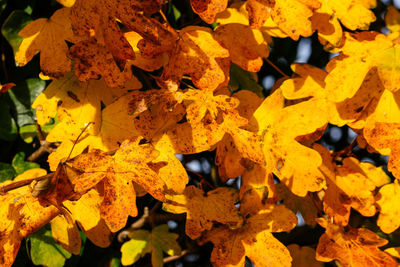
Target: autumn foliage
x,y
130,92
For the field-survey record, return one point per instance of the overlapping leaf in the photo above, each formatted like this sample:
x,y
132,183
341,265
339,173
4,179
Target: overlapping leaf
x,y
199,55
350,185
21,214
253,240
217,206
354,247
292,17
278,128
156,242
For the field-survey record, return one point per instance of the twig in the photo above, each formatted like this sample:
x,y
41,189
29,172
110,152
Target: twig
x,y
345,151
123,235
175,257
14,185
276,68
45,147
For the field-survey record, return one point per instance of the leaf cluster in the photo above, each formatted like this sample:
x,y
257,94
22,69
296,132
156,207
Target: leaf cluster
x,y
132,94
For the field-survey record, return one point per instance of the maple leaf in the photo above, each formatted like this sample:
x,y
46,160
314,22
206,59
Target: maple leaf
x,y
89,16
227,154
76,104
392,19
292,17
257,185
200,55
93,61
350,185
384,137
86,212
283,154
237,13
309,82
202,210
117,172
54,61
352,14
147,64
303,256
354,247
66,234
388,219
21,214
207,10
156,242
199,102
247,47
304,205
362,52
253,240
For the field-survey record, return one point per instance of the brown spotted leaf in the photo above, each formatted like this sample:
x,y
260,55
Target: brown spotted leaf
x,y
253,240
356,247
202,210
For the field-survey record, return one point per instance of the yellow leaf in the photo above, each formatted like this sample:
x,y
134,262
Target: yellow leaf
x,y
53,58
66,234
202,210
387,199
21,214
247,47
86,212
278,128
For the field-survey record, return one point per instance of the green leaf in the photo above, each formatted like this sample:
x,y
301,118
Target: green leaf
x,y
7,172
163,240
45,251
27,133
22,96
20,165
8,127
158,241
243,80
3,4
12,25
135,248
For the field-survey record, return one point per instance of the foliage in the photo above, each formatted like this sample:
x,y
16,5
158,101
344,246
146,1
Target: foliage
x,y
131,94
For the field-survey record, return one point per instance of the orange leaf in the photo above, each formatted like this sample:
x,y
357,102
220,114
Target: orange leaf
x,y
356,247
202,210
207,10
303,256
253,240
384,137
118,172
247,47
199,55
